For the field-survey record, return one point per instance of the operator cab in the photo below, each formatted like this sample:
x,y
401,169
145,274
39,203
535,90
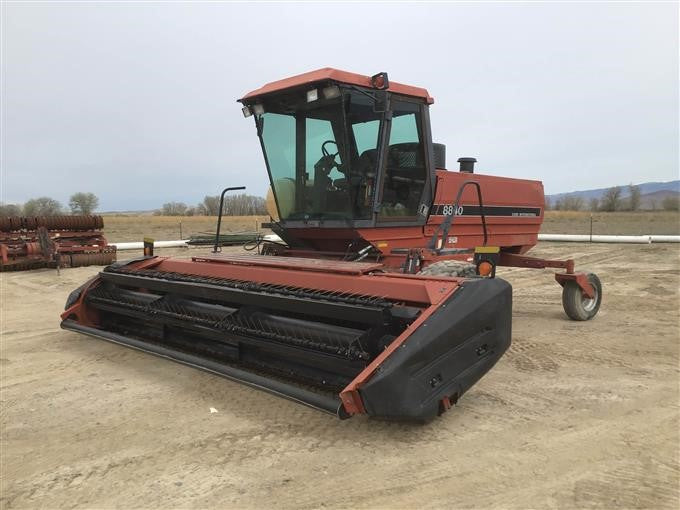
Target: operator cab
x,y
345,150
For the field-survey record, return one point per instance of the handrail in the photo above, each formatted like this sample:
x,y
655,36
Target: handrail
x,y
445,225
219,217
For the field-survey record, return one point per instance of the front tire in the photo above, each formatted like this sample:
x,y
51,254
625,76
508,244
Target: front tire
x,y
454,268
577,306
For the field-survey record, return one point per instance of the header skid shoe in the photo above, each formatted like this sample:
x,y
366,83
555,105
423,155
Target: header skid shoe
x,y
341,337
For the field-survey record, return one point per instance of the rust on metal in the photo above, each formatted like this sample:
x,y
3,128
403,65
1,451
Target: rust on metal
x,y
30,242
581,280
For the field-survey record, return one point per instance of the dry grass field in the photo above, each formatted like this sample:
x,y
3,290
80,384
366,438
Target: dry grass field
x,y
134,228
614,223
166,228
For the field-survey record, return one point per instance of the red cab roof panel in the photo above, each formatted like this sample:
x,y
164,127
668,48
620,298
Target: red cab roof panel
x,y
328,73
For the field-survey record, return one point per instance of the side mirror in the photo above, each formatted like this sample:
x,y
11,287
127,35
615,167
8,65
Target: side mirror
x,y
380,81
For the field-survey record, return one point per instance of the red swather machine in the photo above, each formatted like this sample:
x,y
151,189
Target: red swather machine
x,y
381,299
30,242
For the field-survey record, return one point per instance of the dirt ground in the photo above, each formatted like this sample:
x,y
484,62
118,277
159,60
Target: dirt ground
x,y
574,415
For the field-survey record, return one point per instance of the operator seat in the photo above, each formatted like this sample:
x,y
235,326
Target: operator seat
x,y
405,177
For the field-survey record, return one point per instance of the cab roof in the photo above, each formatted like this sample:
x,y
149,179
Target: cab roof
x,y
328,73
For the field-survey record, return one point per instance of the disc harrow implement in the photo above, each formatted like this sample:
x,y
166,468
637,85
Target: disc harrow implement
x,y
30,242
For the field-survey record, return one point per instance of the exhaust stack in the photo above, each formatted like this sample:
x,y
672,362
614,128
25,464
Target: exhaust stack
x,y
467,165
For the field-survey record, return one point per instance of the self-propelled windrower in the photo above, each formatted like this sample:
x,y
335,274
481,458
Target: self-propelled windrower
x,y
381,298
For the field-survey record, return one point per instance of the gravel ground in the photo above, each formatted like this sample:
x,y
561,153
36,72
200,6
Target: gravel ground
x,y
574,415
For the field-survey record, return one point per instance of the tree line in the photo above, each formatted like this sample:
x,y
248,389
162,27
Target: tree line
x,y
79,203
234,205
87,203
611,200
250,205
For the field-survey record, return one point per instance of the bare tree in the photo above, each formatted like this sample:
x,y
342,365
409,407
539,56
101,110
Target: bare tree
x,y
572,203
569,203
174,209
594,204
244,205
83,203
235,205
43,206
611,199
211,205
634,199
10,209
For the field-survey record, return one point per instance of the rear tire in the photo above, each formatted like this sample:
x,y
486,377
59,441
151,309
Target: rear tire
x,y
577,306
454,268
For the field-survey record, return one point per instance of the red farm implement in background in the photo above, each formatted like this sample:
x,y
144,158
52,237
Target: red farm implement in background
x,y
381,297
29,242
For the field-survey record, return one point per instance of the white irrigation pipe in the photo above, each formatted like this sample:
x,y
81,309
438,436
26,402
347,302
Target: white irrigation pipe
x,y
585,238
579,238
138,245
574,238
665,239
157,244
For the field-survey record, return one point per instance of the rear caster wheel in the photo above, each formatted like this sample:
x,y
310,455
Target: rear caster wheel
x,y
578,306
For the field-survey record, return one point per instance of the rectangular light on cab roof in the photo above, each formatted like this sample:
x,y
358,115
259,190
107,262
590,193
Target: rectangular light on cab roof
x,y
331,92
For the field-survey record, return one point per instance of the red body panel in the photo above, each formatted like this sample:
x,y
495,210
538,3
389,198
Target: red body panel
x,y
519,233
502,195
313,274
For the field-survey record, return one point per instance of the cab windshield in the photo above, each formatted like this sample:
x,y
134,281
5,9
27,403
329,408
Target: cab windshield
x,y
321,154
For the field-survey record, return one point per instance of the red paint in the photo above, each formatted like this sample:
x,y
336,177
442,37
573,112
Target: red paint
x,y
328,73
580,278
516,234
292,272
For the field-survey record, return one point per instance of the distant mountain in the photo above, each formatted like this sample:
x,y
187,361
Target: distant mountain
x,y
655,199
651,192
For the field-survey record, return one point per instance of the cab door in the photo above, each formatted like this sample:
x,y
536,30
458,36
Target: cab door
x,y
405,193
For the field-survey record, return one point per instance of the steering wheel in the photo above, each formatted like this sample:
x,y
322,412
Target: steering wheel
x,y
325,152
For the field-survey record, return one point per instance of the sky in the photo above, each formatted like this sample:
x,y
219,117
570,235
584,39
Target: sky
x,y
136,102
